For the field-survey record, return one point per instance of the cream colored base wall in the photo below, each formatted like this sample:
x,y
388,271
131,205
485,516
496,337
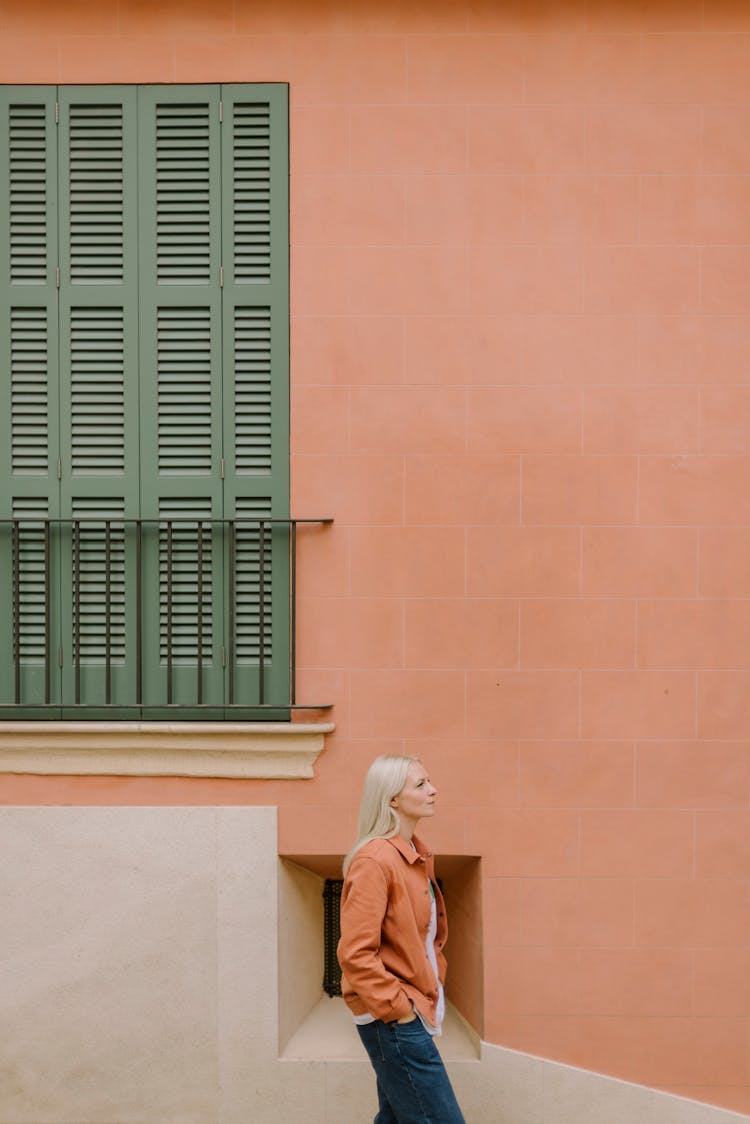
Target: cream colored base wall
x,y
506,1087
139,953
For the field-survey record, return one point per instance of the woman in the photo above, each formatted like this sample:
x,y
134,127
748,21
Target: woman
x,y
393,929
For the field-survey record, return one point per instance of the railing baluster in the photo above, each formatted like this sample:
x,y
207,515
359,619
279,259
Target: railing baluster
x,y
232,593
77,606
17,608
138,614
47,617
293,624
107,612
261,614
200,612
169,611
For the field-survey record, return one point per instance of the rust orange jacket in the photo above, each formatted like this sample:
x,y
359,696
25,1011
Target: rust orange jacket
x,y
385,918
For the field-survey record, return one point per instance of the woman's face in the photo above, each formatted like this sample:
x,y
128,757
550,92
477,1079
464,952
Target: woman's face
x,y
417,798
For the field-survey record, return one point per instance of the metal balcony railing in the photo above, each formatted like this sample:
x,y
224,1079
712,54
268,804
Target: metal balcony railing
x,y
149,617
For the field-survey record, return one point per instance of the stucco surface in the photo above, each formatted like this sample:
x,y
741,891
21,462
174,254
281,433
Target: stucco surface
x,y
520,334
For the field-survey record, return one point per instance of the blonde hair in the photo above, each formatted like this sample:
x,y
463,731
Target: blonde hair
x,y
377,819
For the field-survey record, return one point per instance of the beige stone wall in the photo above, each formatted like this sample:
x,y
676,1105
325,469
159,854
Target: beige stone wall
x,y
139,984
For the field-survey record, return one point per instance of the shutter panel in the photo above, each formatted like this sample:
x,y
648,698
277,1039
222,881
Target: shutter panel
x,y
99,388
181,389
255,175
29,409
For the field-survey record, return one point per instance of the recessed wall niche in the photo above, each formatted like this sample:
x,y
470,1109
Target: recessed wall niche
x,y
315,1025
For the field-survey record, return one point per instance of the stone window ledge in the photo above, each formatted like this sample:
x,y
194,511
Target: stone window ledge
x,y
274,750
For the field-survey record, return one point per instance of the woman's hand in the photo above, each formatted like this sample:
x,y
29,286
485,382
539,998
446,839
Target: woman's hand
x,y
407,1018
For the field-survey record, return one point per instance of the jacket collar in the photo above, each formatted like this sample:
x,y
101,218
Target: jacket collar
x,y
407,851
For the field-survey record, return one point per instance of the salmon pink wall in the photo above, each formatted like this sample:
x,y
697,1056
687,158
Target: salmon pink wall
x,y
521,385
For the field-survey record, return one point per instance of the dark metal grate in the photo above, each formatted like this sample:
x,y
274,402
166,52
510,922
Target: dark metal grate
x,y
331,935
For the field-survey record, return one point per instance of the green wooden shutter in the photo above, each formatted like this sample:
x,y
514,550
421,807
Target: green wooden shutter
x,y
29,409
99,415
255,205
181,389
137,386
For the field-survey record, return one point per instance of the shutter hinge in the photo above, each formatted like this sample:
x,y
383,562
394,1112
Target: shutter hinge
x,y
222,468
57,113
59,656
221,276
57,276
59,469
223,656
221,111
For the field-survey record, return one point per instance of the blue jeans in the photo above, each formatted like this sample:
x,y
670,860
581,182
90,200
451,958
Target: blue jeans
x,y
413,1087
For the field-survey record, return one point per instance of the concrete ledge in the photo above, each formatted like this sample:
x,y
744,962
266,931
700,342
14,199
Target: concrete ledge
x,y
274,750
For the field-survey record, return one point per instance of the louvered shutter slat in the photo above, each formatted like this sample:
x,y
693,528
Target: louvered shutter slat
x,y
183,192
252,390
97,390
31,621
29,395
184,396
252,192
96,186
28,155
